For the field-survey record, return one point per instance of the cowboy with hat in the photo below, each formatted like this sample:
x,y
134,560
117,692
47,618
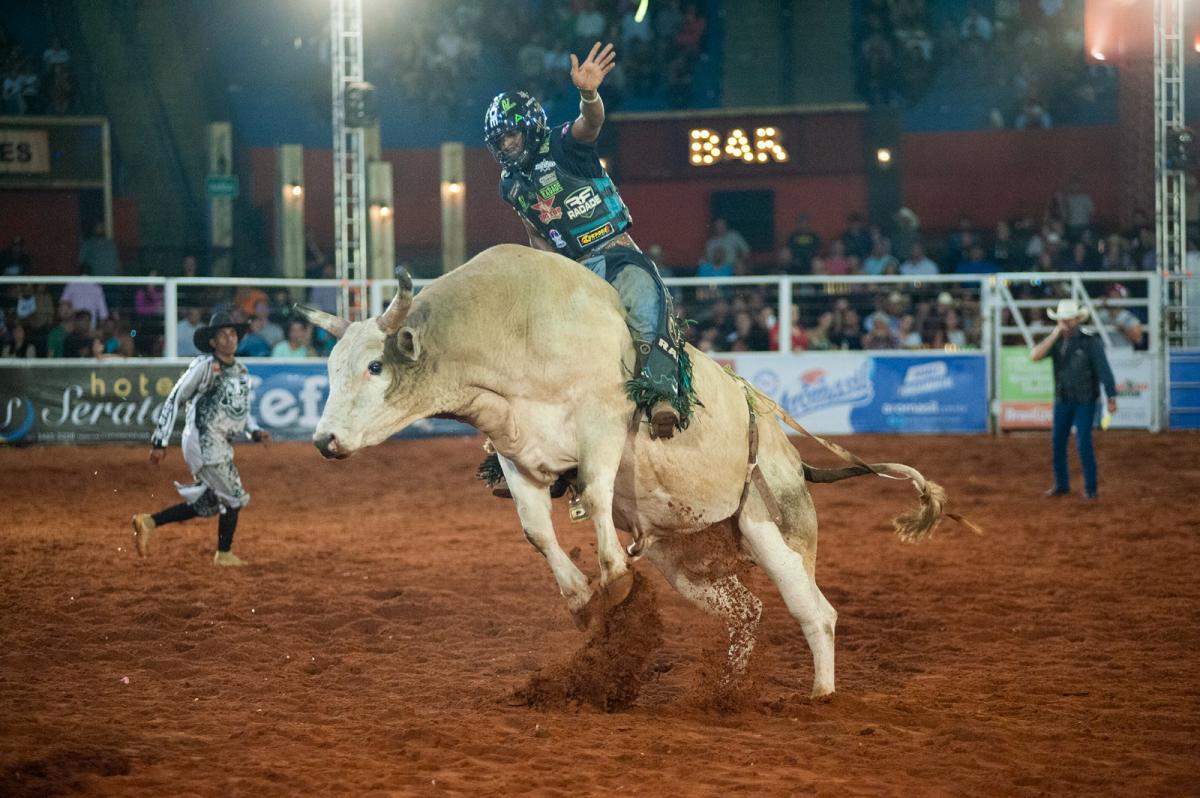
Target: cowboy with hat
x,y
203,336
1080,368
216,390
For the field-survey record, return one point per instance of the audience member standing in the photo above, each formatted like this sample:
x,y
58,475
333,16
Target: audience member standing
x,y
99,253
14,261
731,241
804,244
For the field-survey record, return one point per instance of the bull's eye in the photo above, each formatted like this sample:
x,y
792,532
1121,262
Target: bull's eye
x,y
375,367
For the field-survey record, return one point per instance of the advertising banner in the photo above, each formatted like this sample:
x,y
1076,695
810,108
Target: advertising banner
x,y
847,392
100,402
1027,389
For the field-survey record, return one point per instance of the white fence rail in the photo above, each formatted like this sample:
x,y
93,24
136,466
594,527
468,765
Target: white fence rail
x,y
1000,310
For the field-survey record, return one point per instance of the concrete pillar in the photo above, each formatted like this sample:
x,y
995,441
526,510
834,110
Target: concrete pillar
x,y
372,149
289,210
454,200
220,206
381,235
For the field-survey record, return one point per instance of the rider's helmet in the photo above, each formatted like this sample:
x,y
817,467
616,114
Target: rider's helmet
x,y
510,112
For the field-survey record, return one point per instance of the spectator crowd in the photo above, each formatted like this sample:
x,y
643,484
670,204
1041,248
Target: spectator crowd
x,y
914,313
1029,54
434,48
33,85
87,318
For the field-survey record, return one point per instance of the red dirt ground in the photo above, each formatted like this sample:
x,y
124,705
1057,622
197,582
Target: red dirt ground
x,y
393,609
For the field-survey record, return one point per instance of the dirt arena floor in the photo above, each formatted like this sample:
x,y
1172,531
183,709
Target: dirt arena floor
x,y
386,635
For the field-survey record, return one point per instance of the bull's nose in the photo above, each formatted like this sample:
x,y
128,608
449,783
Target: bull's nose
x,y
327,445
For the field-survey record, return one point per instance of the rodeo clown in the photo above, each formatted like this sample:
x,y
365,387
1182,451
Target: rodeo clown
x,y
217,390
569,204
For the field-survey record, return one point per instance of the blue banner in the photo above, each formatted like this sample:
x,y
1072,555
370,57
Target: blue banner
x,y
923,394
849,392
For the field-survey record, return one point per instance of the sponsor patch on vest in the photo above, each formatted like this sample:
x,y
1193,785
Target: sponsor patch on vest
x,y
581,202
551,190
546,210
544,165
557,238
592,236
546,180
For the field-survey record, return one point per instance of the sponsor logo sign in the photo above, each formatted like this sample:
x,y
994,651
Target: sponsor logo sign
x,y
1026,390
544,165
548,191
925,378
592,236
547,211
855,392
89,402
546,180
558,240
581,202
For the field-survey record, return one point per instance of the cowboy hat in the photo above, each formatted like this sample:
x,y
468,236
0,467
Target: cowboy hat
x,y
1067,309
219,319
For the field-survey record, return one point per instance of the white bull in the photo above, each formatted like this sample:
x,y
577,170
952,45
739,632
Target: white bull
x,y
532,350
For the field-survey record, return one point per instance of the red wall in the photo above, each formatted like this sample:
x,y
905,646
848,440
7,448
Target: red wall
x,y
987,174
674,214
49,223
995,174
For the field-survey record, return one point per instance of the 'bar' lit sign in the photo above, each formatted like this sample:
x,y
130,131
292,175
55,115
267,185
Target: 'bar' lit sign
x,y
704,147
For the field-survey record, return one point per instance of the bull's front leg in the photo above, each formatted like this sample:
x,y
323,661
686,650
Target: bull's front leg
x,y
533,507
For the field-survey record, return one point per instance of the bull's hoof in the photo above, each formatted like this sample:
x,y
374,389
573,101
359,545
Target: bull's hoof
x,y
616,591
583,616
606,598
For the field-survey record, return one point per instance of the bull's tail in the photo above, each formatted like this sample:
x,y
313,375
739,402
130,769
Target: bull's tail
x,y
910,526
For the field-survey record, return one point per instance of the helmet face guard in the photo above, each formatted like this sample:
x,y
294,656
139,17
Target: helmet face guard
x,y
514,112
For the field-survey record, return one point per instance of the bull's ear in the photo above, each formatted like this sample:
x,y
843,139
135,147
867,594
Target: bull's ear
x,y
409,344
331,324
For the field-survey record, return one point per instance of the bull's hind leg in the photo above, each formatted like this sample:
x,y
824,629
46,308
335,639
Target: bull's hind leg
x,y
764,543
533,507
714,588
600,457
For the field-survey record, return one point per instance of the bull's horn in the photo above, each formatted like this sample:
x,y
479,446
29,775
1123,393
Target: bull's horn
x,y
334,325
392,319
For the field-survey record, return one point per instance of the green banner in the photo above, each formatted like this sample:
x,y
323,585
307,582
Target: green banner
x,y
1021,379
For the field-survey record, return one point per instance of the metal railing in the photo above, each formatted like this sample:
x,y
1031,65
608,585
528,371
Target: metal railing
x,y
1009,308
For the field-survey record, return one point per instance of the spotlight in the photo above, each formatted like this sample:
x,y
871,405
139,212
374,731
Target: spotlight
x,y
295,190
385,211
454,187
883,156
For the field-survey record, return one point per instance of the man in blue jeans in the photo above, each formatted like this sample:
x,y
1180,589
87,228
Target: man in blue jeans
x,y
1080,367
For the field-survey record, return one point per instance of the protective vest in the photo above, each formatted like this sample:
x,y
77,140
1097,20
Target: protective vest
x,y
574,213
